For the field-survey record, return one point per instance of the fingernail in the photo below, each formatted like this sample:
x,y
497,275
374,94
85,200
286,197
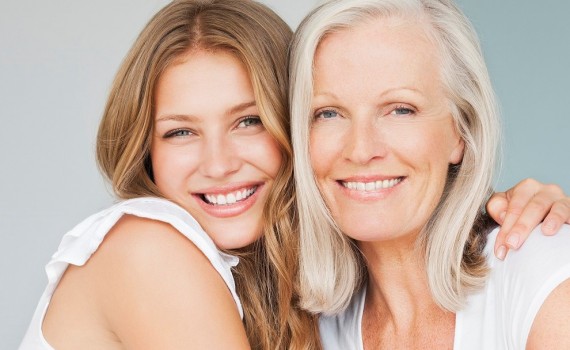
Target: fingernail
x,y
513,240
501,252
502,216
548,226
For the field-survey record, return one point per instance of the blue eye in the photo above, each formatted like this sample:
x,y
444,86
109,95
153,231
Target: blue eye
x,y
178,133
326,114
249,121
402,111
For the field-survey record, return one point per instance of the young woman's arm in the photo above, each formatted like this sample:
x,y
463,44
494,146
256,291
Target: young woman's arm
x,y
166,293
152,288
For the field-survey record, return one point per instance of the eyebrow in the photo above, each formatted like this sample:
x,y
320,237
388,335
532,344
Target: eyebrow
x,y
176,117
241,107
189,118
387,92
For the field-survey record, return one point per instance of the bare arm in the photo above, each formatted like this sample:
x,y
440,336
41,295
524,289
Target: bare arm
x,y
161,292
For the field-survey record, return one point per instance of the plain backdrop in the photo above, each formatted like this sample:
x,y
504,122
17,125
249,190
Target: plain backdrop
x,y
57,61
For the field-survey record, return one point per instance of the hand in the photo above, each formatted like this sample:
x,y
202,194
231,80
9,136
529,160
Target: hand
x,y
522,208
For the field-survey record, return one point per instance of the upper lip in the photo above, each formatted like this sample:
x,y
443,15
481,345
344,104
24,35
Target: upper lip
x,y
227,188
369,178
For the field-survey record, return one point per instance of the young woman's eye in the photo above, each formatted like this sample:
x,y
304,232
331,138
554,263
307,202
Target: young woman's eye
x,y
178,133
249,121
326,114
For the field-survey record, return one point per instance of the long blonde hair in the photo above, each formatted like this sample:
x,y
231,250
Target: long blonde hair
x,y
258,38
331,267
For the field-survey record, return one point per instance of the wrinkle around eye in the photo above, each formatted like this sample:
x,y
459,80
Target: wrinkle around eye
x,y
326,114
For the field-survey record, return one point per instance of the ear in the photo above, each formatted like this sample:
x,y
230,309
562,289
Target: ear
x,y
456,155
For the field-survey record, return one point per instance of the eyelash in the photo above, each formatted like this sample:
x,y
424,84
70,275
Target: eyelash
x,y
250,118
319,113
409,112
402,107
177,133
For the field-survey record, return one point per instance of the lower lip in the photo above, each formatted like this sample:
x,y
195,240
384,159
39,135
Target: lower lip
x,y
370,195
229,210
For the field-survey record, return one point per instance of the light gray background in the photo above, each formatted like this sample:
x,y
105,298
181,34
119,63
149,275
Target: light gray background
x,y
57,60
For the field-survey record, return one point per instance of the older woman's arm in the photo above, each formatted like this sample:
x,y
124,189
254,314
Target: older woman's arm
x,y
522,208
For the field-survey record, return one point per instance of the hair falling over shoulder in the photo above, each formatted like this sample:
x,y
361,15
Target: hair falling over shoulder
x,y
267,273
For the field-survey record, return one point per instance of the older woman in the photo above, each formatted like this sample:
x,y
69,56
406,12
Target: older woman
x,y
395,132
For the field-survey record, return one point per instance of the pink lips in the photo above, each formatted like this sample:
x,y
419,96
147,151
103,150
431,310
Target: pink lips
x,y
228,210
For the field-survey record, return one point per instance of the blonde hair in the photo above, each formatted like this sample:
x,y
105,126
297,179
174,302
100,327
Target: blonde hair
x,y
331,267
258,38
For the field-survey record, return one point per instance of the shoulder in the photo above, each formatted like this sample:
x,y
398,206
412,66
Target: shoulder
x,y
528,279
153,277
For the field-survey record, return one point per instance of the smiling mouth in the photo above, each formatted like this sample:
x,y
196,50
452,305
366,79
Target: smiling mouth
x,y
372,185
229,198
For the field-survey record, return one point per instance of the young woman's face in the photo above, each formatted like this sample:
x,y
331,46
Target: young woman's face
x,y
210,152
382,135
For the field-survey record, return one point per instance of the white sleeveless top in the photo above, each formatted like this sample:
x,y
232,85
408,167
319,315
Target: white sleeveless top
x,y
82,241
500,315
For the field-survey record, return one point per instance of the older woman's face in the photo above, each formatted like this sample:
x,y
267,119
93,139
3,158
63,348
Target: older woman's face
x,y
382,135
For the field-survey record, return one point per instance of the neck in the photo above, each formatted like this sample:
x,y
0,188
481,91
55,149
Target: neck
x,y
399,305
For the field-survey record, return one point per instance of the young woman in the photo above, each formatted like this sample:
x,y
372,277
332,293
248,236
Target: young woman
x,y
194,137
195,141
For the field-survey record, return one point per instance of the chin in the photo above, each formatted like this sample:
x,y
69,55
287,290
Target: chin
x,y
236,238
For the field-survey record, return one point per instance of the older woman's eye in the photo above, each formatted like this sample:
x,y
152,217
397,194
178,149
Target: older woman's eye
x,y
249,121
404,111
178,133
326,114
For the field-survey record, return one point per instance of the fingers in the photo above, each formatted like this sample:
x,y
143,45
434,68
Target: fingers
x,y
517,198
559,214
497,207
532,214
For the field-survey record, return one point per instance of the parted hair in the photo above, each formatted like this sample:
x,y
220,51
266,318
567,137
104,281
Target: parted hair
x,y
258,38
331,266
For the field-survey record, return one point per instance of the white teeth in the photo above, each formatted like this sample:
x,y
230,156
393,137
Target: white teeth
x,y
371,186
229,198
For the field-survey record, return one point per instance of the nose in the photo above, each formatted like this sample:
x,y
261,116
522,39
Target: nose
x,y
364,141
219,158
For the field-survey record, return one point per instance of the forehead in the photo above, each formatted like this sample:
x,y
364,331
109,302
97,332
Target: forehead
x,y
395,49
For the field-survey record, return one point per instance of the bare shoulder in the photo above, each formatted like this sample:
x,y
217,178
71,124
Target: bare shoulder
x,y
550,329
155,289
166,292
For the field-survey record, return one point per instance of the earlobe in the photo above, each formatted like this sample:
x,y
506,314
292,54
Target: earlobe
x,y
457,153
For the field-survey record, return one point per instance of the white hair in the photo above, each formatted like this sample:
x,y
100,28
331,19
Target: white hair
x,y
331,267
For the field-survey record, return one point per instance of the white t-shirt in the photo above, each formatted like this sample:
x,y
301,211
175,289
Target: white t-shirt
x,y
500,315
82,241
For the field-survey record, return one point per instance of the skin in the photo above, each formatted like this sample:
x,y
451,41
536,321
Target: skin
x,y
208,139
396,127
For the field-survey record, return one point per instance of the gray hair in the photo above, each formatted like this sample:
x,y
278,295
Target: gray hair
x,y
331,265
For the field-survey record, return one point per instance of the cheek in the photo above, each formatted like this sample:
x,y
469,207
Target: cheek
x,y
324,148
170,164
265,154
